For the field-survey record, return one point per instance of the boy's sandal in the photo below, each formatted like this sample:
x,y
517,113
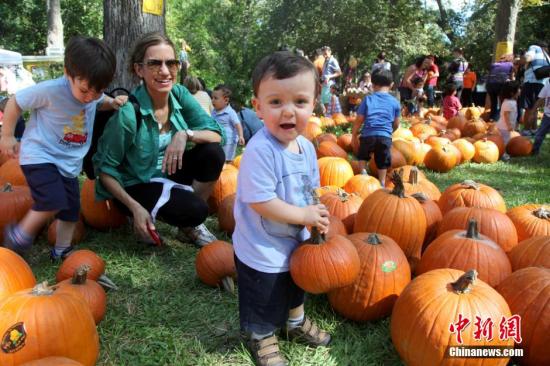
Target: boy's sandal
x,y
266,352
308,333
60,257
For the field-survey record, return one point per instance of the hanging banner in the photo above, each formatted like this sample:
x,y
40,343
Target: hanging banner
x,y
503,48
152,7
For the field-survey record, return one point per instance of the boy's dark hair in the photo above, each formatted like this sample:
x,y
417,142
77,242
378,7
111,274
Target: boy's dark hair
x,y
382,78
416,80
78,55
509,89
226,91
192,84
449,89
283,65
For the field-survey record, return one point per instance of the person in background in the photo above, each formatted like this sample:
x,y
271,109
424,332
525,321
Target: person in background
x,y
195,88
456,70
20,124
470,80
331,71
417,70
319,61
508,112
536,57
226,116
544,101
365,85
184,59
451,103
381,63
499,73
431,82
418,96
334,105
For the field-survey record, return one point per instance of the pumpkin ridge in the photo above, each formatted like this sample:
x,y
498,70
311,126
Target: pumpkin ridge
x,y
542,308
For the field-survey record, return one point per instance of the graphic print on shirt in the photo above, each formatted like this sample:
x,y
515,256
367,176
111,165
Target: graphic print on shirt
x,y
74,134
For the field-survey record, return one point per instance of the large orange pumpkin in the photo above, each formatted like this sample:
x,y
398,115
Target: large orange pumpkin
x,y
410,150
486,152
473,128
383,275
101,215
215,265
402,133
334,171
461,249
433,217
35,319
491,223
530,220
91,291
440,159
396,215
53,361
10,172
458,121
325,137
519,146
467,149
15,202
320,265
15,273
431,303
527,292
329,148
470,194
532,252
342,205
225,186
362,184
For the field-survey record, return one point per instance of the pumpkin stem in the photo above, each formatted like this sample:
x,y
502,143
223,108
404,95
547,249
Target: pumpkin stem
x,y
420,197
80,275
398,189
342,195
470,184
228,284
374,239
464,283
106,282
316,236
413,176
7,188
42,289
364,172
473,231
542,213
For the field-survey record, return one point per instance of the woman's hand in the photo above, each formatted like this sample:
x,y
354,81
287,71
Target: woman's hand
x,y
142,221
173,155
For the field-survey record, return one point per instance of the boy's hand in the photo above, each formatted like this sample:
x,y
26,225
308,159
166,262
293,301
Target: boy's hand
x,y
118,101
316,215
241,141
9,146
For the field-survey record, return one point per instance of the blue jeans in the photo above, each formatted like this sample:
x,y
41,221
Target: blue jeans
x,y
541,133
430,92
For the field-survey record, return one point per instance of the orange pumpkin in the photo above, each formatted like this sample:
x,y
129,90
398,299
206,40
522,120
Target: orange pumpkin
x,y
396,215
435,300
397,160
441,159
342,205
10,172
344,141
527,292
498,140
402,133
15,202
433,217
78,234
237,161
410,150
215,265
30,316
15,273
519,146
462,249
491,223
326,189
470,194
532,252
415,181
225,186
329,148
530,220
53,361
325,137
101,215
312,130
315,120
334,171
362,184
78,258
327,122
467,149
486,152
473,128
458,121
339,119
423,130
436,141
320,265
226,220
335,227
92,292
383,275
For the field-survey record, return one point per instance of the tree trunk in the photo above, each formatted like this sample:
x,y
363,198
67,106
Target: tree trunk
x,y
55,28
124,22
443,22
505,26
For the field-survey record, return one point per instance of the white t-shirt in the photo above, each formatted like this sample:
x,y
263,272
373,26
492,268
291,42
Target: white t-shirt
x,y
509,105
60,128
268,170
545,93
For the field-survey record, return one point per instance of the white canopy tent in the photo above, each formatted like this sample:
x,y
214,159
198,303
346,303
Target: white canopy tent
x,y
13,75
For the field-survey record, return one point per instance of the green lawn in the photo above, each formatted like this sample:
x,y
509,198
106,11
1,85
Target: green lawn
x,y
163,315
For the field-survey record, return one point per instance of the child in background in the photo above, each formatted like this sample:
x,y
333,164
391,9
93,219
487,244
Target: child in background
x,y
226,116
334,103
274,206
56,140
451,103
508,112
380,113
418,96
470,80
544,100
365,85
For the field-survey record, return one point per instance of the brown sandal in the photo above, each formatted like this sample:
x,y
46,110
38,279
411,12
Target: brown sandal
x,y
308,333
266,352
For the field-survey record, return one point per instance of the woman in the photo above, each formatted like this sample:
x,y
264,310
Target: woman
x,y
500,72
419,70
143,165
195,88
456,70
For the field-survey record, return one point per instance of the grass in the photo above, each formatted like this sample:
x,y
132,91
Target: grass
x,y
163,315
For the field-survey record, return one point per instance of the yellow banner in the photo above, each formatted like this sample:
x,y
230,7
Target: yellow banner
x,y
503,48
152,7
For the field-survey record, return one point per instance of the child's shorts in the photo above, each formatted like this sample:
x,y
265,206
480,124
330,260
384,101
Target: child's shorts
x,y
380,146
229,150
265,299
53,192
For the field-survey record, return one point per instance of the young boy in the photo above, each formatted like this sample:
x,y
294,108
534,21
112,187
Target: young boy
x,y
380,113
226,116
274,205
418,96
56,139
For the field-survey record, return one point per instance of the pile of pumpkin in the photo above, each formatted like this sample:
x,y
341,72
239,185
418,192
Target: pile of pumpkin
x,y
51,325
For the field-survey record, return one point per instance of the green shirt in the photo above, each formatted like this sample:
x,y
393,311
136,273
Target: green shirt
x,y
130,156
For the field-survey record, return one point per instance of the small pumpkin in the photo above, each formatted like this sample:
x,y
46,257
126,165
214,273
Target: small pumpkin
x,y
433,217
532,252
336,227
467,149
224,186
84,257
530,220
470,194
362,184
410,150
10,172
215,265
226,220
519,146
330,148
342,205
344,141
486,152
325,137
312,130
101,215
440,159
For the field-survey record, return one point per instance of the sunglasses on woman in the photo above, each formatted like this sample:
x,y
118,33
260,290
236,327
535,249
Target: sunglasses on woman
x,y
155,65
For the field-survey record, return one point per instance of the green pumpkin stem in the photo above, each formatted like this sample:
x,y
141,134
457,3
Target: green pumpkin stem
x,y
80,275
420,197
374,239
473,231
464,283
399,188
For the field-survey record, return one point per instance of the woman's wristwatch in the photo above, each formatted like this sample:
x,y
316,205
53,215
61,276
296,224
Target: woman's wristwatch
x,y
190,134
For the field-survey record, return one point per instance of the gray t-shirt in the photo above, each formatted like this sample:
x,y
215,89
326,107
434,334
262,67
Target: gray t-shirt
x,y
267,171
59,130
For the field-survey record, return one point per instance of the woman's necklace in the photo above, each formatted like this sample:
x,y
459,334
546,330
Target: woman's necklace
x,y
161,116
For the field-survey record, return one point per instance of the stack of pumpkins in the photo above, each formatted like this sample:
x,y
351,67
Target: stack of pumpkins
x,y
51,325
